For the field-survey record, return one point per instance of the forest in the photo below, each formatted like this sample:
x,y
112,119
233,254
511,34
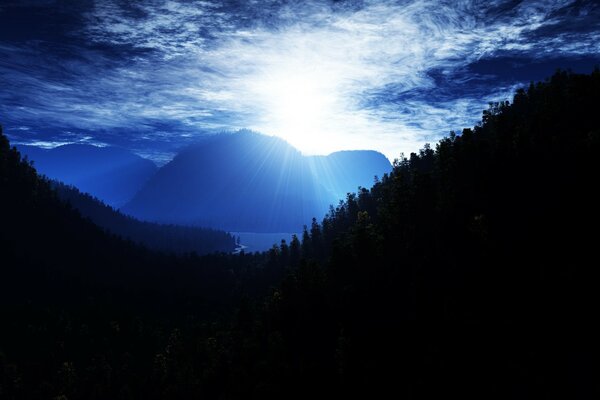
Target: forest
x,y
163,237
468,271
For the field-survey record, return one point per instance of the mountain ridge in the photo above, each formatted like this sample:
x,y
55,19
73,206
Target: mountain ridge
x,y
112,174
249,182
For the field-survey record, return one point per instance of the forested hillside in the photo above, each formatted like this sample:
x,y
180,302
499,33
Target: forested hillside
x,y
168,238
86,314
468,271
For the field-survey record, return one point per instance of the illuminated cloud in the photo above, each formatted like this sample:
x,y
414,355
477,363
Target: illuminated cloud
x,y
326,76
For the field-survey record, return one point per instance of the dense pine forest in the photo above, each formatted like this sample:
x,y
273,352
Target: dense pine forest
x,y
469,270
166,238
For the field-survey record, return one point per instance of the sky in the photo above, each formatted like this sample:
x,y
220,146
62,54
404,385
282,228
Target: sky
x,y
154,76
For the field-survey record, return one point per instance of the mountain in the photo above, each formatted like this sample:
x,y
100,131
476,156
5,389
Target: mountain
x,y
111,174
250,182
343,172
168,238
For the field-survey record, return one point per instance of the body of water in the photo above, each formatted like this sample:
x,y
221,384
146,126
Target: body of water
x,y
252,241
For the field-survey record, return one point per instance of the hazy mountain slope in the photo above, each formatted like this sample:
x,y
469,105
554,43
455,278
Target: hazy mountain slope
x,y
344,171
251,182
111,174
237,182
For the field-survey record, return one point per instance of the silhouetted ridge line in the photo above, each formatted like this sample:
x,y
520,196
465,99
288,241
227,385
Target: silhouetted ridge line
x,y
111,174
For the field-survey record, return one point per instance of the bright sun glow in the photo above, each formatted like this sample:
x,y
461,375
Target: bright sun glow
x,y
299,104
309,92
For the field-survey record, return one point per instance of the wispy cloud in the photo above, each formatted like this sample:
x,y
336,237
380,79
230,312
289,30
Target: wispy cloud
x,y
384,75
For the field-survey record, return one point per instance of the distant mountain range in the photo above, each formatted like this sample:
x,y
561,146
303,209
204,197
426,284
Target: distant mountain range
x,y
111,174
240,182
344,171
251,182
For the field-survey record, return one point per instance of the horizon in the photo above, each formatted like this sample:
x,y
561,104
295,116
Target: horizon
x,y
325,76
45,146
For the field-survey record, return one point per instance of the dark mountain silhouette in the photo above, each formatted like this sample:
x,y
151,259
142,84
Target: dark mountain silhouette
x,y
467,271
74,299
168,238
111,174
251,182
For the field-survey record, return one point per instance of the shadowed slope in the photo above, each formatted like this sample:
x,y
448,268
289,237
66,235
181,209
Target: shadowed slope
x,y
112,174
168,238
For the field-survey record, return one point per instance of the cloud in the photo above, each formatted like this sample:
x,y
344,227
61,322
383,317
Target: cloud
x,y
385,75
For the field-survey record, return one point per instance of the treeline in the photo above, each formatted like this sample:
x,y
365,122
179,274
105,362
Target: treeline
x,y
168,238
467,271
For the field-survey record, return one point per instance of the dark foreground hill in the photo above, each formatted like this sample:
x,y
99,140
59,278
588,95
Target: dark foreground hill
x,y
167,238
84,313
111,174
467,272
251,182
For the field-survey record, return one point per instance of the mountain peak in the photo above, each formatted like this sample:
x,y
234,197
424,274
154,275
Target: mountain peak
x,y
247,181
112,174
